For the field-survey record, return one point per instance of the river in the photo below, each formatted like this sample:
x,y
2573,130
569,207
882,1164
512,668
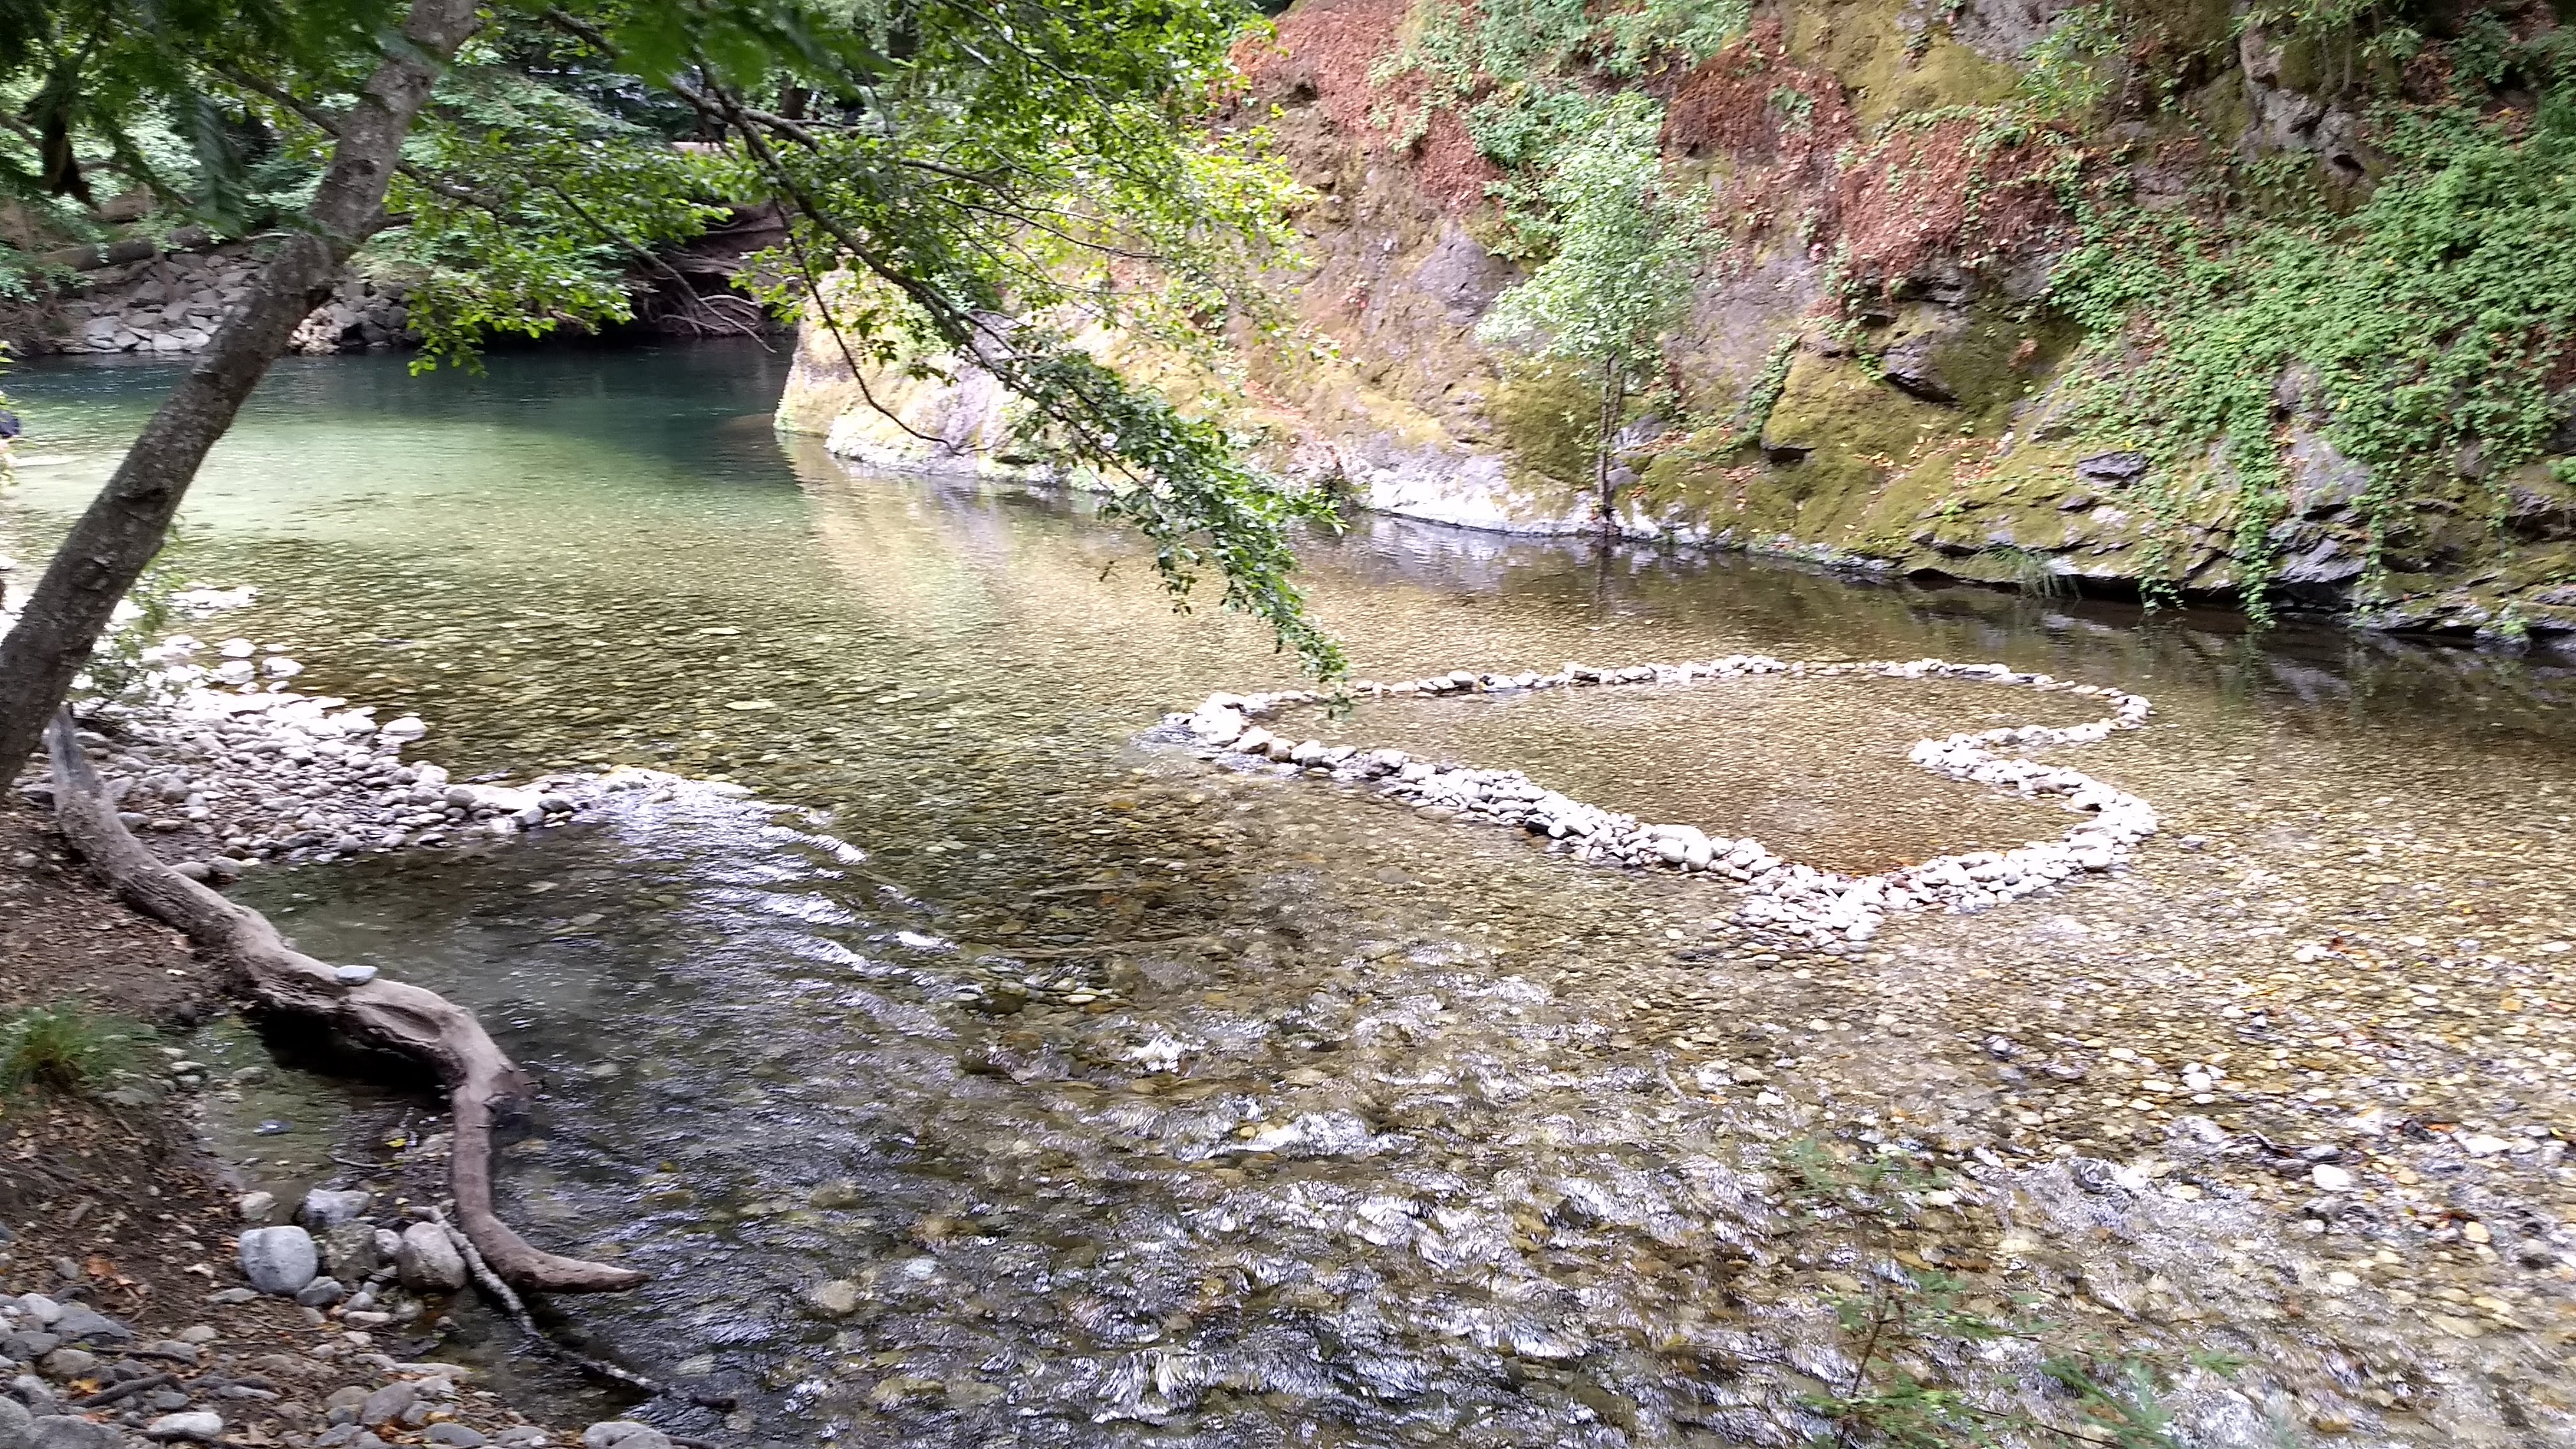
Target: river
x,y
1125,1100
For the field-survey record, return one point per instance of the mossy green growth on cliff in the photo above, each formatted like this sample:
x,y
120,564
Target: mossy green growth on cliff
x,y
1836,440
1544,411
2425,330
1848,458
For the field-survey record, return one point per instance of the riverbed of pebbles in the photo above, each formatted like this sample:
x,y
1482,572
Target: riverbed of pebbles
x,y
221,766
329,1373
1782,897
307,1331
74,1377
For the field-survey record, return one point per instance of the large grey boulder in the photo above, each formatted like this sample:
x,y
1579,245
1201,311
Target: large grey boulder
x,y
17,1426
388,1404
81,1324
279,1260
44,1310
428,1261
35,1393
624,1434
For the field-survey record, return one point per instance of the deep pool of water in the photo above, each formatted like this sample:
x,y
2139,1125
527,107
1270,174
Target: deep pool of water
x,y
1147,1103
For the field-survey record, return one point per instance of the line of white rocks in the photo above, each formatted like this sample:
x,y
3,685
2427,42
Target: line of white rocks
x,y
1781,896
222,766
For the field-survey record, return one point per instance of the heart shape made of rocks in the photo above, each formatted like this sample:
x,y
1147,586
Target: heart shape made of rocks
x,y
1781,896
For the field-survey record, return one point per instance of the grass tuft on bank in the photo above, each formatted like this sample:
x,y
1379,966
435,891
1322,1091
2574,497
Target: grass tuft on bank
x,y
64,1049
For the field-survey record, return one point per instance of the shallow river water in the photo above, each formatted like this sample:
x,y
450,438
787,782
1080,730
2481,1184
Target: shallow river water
x,y
1024,1081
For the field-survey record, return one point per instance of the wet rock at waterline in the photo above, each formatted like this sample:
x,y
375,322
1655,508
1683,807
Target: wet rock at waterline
x,y
66,1431
428,1261
1790,899
838,1298
230,773
323,1209
189,1428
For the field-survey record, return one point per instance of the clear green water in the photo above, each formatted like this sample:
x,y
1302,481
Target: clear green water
x,y
1295,1165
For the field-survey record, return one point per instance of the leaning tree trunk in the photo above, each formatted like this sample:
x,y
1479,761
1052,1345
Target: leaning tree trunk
x,y
422,1024
125,525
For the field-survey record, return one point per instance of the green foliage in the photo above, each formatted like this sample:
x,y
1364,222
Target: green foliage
x,y
1518,75
2031,572
2070,72
1020,179
2338,45
1892,1398
1623,252
1754,413
118,95
2426,327
1910,1319
526,206
1015,175
1623,249
63,1048
116,668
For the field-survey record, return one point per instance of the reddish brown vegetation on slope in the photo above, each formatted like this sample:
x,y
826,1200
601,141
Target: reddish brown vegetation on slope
x,y
1780,124
1919,198
1943,194
1324,52
1748,102
1323,56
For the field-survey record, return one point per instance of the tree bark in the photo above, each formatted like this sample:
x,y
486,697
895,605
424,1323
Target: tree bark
x,y
123,528
1613,397
240,942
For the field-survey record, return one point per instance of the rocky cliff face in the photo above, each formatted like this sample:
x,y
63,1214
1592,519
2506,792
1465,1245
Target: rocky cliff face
x,y
1869,372
143,296
171,302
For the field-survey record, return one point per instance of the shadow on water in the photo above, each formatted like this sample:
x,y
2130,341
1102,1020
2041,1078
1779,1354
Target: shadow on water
x,y
1136,1102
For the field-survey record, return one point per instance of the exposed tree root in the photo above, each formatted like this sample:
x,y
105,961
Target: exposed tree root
x,y
508,1302
406,1019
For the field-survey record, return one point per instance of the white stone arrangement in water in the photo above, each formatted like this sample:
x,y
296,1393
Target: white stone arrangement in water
x,y
1782,896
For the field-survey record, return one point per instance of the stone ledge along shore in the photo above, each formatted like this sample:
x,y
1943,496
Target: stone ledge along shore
x,y
362,1274
1823,908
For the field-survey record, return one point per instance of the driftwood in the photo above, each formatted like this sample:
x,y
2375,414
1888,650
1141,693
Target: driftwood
x,y
491,1286
508,1302
479,1078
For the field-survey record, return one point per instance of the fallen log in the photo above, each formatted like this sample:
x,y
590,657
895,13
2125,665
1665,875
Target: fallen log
x,y
240,943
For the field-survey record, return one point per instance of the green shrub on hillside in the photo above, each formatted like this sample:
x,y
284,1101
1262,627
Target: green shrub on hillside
x,y
1529,80
2434,322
